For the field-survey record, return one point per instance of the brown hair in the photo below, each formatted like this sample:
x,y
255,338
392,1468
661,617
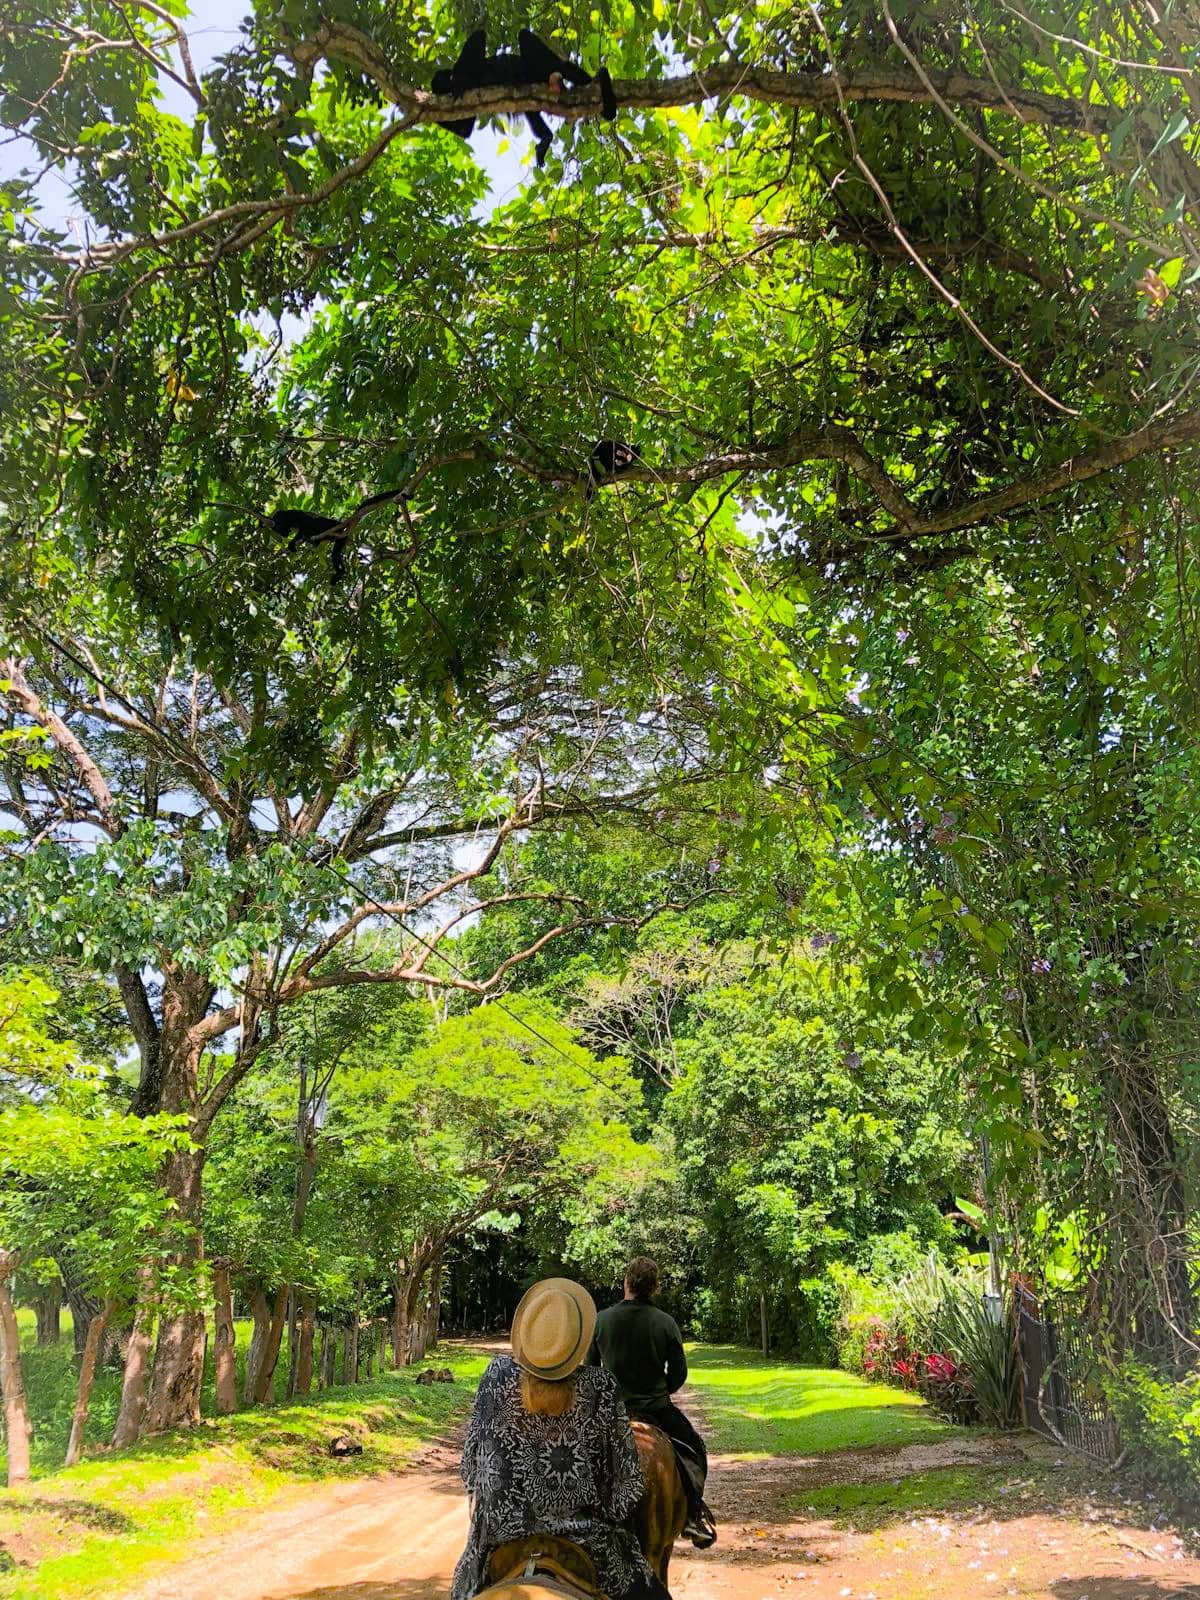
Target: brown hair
x,y
641,1277
545,1399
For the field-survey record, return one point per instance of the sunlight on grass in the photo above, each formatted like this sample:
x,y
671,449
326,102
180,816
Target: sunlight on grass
x,y
754,1407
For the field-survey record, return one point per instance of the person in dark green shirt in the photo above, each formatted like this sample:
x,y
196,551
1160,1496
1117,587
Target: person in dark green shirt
x,y
643,1349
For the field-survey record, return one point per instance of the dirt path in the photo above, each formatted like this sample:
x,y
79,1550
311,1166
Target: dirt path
x,y
1019,1538
398,1538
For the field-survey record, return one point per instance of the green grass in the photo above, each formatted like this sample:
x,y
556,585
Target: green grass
x,y
866,1505
51,1375
763,1408
93,1530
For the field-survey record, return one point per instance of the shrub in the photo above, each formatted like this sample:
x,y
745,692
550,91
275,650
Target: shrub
x,y
934,1332
865,1307
948,1388
1159,1424
986,1351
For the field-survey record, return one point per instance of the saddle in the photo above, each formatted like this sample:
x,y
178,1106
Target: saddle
x,y
544,1564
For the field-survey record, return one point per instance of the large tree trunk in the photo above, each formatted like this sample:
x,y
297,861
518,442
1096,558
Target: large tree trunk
x,y
1162,1309
425,1324
264,1382
293,1328
400,1326
304,1358
173,1069
433,1314
328,1355
87,1372
137,1362
179,1354
260,1310
224,1341
17,1427
409,1278
48,1310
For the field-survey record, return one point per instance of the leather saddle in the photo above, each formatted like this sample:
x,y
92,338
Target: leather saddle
x,y
544,1564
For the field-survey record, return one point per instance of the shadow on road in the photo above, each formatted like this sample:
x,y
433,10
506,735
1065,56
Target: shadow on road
x,y
1121,1589
398,1589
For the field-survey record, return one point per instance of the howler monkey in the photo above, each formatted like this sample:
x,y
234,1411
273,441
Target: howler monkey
x,y
309,527
534,63
608,460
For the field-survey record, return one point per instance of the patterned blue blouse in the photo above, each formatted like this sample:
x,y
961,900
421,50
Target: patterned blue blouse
x,y
577,1476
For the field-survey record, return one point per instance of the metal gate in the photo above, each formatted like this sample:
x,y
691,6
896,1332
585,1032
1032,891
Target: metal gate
x,y
1063,1395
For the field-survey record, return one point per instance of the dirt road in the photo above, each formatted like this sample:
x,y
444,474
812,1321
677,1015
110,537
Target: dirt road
x,y
398,1538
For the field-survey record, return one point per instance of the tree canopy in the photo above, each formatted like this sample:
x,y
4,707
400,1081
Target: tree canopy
x,y
887,634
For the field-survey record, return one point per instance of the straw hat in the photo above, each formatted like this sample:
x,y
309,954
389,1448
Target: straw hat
x,y
552,1329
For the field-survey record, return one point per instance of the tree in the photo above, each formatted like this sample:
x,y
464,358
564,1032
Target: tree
x,y
495,1114
71,1171
805,1134
860,387
17,1426
30,1060
1035,904
242,911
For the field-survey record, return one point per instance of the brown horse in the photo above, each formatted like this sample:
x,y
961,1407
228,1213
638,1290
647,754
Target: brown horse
x,y
662,1510
561,1567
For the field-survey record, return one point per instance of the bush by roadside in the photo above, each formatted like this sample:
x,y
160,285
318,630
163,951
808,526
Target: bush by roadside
x,y
1159,1424
934,1332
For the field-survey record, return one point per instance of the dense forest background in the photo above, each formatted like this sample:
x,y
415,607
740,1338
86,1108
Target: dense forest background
x,y
780,856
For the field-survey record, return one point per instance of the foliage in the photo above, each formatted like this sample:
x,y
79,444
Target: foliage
x,y
1159,1425
430,1133
806,1135
933,1331
31,1059
84,1180
892,636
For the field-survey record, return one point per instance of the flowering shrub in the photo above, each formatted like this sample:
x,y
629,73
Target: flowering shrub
x,y
947,1387
887,1355
930,1331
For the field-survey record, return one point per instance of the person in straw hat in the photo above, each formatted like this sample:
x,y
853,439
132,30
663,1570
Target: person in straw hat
x,y
549,1450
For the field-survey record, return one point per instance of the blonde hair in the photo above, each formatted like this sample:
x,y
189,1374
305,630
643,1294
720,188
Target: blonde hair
x,y
545,1399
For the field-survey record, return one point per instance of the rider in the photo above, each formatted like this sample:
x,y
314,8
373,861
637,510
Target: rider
x,y
549,1451
643,1349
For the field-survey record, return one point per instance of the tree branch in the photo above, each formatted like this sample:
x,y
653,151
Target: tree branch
x,y
344,43
27,701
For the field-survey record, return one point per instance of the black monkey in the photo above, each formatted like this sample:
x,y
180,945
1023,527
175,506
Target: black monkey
x,y
534,63
608,460
308,527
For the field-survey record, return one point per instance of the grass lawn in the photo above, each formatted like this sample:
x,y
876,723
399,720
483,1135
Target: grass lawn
x,y
95,1529
758,1407
921,1494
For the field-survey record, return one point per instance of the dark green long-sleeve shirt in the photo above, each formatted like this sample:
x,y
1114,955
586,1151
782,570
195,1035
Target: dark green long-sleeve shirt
x,y
643,1349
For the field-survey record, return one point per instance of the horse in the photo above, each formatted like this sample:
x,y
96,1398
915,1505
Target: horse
x,y
662,1510
532,1568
